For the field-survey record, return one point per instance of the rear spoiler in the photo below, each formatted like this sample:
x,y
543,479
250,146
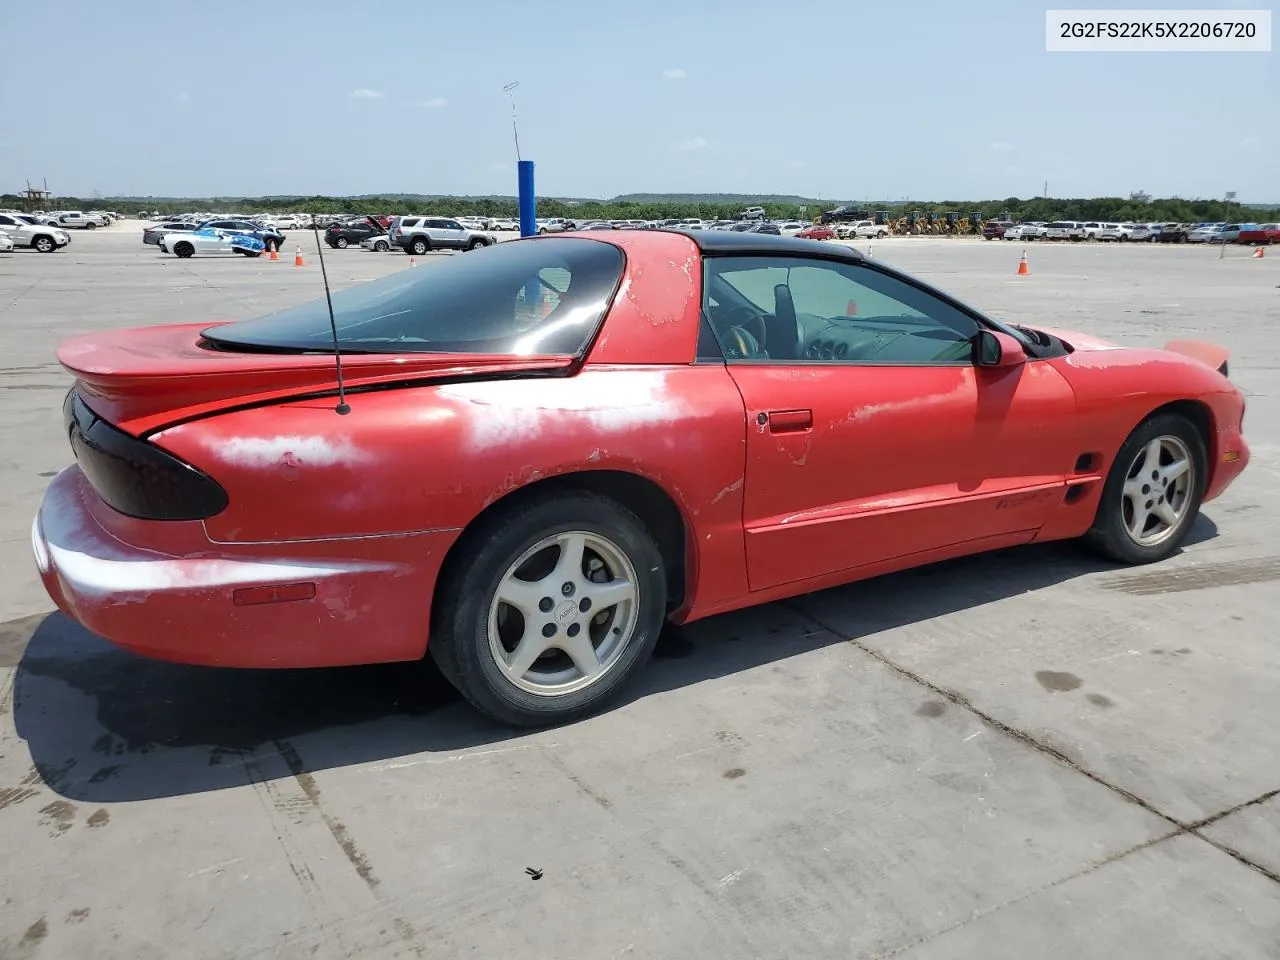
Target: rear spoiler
x,y
1210,354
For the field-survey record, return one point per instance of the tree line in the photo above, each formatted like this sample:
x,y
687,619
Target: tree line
x,y
1135,208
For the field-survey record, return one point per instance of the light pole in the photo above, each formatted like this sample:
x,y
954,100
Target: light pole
x,y
510,90
524,173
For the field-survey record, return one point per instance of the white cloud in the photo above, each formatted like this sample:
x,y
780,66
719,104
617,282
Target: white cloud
x,y
1002,146
364,93
796,164
182,97
434,103
675,73
497,167
693,143
1250,141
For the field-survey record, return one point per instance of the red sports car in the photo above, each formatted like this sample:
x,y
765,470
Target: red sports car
x,y
538,452
817,232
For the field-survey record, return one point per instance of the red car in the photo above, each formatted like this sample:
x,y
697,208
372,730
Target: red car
x,y
1262,235
539,452
817,232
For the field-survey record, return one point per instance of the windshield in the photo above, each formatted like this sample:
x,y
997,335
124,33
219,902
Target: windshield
x,y
523,297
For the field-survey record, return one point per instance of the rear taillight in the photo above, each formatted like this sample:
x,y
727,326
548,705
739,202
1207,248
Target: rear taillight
x,y
135,477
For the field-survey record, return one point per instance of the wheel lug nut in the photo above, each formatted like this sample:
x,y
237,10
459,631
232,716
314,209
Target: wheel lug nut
x,y
567,589
573,629
548,629
584,604
1150,503
545,604
1155,474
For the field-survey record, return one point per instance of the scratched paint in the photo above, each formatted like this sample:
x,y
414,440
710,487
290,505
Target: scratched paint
x,y
314,450
518,410
92,563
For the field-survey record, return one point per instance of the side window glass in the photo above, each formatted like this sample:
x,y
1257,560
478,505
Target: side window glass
x,y
795,309
708,347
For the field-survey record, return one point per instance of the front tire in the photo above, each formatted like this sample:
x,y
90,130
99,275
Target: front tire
x,y
381,246
44,244
1153,492
341,243
549,610
183,249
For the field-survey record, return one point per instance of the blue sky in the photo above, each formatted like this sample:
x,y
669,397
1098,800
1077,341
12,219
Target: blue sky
x,y
836,98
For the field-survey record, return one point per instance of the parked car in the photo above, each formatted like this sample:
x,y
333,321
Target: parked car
x,y
420,235
246,228
24,231
356,230
75,220
153,234
763,226
1025,231
862,229
209,242
377,242
816,232
1119,232
1064,230
1209,234
1174,232
1261,234
555,225
504,223
994,229
6,245
535,524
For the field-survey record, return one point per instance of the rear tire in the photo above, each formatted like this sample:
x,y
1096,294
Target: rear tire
x,y
475,635
418,246
1141,479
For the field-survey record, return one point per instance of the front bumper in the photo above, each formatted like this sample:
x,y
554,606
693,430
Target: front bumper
x,y
185,599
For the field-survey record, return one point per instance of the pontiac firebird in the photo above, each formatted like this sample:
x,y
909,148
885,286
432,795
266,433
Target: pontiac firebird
x,y
551,446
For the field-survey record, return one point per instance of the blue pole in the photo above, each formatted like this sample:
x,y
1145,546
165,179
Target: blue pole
x,y
528,200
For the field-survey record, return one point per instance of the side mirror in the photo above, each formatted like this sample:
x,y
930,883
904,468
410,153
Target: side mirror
x,y
995,349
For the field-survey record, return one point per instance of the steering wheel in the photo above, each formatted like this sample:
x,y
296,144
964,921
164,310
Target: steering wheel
x,y
751,321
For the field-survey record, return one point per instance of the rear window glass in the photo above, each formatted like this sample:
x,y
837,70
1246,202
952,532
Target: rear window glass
x,y
521,298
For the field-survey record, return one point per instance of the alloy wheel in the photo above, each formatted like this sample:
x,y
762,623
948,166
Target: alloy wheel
x,y
1157,490
563,613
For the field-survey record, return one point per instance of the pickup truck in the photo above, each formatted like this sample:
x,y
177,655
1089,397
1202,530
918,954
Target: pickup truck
x,y
860,229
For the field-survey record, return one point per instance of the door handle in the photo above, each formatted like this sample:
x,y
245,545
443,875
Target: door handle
x,y
790,421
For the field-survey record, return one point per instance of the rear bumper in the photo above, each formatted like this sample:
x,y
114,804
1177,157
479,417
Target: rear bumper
x,y
369,599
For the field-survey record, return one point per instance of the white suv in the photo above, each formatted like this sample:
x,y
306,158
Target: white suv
x,y
27,231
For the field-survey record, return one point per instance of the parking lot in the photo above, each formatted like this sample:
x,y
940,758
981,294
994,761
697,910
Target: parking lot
x,y
1028,754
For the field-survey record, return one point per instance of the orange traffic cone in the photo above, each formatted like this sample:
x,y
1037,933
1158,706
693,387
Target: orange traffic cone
x,y
413,261
1258,254
271,251
297,257
1023,269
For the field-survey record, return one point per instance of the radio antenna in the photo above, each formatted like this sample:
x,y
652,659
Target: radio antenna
x,y
343,407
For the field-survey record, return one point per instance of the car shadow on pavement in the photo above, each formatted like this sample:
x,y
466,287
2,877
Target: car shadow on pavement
x,y
103,725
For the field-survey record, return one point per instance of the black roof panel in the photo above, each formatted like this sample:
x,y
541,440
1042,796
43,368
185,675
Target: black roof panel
x,y
730,241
